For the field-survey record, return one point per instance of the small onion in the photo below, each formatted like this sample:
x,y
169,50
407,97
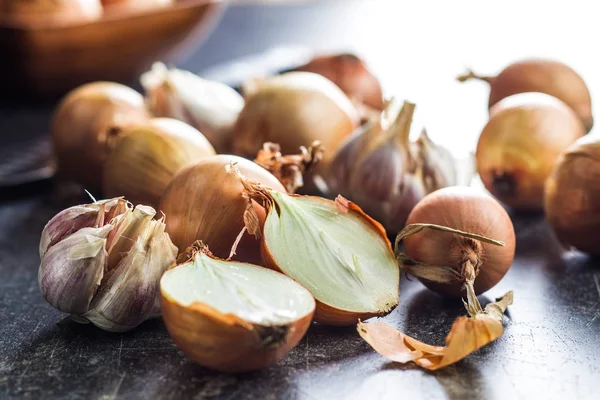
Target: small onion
x,y
467,210
519,145
146,157
545,76
351,74
38,13
572,198
293,110
232,316
85,124
204,202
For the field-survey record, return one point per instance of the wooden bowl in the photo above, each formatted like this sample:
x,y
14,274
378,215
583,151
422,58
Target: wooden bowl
x,y
48,61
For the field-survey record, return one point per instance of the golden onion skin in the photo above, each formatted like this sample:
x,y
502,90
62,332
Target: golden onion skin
x,y
519,145
470,211
204,202
545,76
85,126
572,200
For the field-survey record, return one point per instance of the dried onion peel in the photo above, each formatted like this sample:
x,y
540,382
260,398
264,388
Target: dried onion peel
x,y
232,316
340,254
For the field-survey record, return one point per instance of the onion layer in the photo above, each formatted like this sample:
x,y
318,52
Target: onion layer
x,y
204,202
572,200
519,145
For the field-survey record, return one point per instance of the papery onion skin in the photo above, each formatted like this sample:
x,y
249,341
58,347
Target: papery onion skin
x,y
204,202
546,76
85,124
468,210
350,74
519,145
225,342
146,157
572,197
293,110
41,13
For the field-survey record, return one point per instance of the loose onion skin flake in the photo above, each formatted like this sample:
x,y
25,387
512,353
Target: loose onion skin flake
x,y
572,200
231,316
545,76
520,144
332,248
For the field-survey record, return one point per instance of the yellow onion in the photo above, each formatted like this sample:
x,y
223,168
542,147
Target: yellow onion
x,y
332,248
293,110
84,127
232,316
351,74
545,76
204,202
38,13
443,258
572,198
519,145
146,157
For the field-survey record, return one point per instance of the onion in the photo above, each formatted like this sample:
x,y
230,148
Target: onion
x,y
37,13
572,200
204,202
332,248
85,124
231,316
454,247
545,76
351,75
121,6
146,157
519,145
293,110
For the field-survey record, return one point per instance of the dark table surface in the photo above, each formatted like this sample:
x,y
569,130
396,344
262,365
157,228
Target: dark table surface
x,y
551,345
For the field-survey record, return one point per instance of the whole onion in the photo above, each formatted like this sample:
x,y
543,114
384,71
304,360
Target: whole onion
x,y
84,127
545,76
572,200
519,145
293,110
351,74
204,202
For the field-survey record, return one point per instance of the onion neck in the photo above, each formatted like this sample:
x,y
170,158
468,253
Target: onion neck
x,y
467,76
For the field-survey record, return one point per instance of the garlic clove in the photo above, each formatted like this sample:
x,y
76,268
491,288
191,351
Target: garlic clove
x,y
211,107
232,316
75,218
130,294
129,226
71,270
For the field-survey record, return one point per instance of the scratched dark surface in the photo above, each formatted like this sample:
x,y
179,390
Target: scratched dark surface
x,y
550,348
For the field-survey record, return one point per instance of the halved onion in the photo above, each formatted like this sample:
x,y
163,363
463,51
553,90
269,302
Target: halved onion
x,y
232,316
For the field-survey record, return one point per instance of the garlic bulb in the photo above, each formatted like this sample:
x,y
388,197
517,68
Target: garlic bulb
x,y
102,263
384,173
211,107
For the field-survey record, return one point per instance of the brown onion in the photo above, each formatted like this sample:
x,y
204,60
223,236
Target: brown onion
x,y
40,13
519,145
146,157
437,251
545,76
293,110
204,202
351,74
572,200
232,316
85,124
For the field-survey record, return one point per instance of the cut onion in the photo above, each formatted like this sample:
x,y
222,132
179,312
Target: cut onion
x,y
232,316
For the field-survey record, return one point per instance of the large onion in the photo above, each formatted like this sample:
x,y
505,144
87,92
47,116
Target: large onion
x,y
293,110
572,199
37,13
204,202
85,124
519,145
545,76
